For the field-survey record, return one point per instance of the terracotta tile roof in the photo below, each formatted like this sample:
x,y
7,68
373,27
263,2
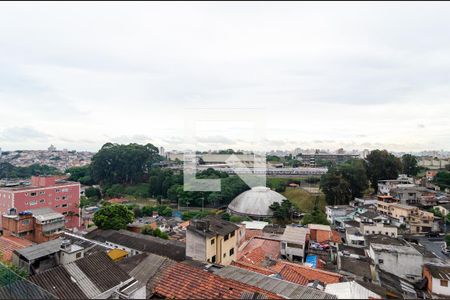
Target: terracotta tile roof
x,y
253,268
194,283
291,274
257,250
11,243
251,233
309,273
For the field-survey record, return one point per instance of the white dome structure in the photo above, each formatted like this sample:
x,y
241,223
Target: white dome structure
x,y
255,202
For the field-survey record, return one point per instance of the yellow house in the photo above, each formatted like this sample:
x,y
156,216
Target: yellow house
x,y
212,239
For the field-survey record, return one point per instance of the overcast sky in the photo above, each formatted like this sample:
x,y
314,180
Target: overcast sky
x,y
369,75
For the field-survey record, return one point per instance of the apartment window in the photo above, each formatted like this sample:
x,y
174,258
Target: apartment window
x,y
64,213
213,259
57,206
78,255
57,198
42,201
33,194
65,190
58,190
225,238
41,193
64,205
213,241
232,234
64,197
32,202
231,251
444,283
25,222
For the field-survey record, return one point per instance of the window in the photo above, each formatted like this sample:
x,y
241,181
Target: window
x,y
64,213
25,222
64,197
65,190
213,259
380,261
78,255
64,205
42,201
41,193
32,202
58,190
33,194
231,251
232,234
224,255
213,241
57,206
444,282
225,238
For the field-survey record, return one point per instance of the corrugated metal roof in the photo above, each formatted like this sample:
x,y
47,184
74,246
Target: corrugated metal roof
x,y
83,282
280,287
40,250
57,281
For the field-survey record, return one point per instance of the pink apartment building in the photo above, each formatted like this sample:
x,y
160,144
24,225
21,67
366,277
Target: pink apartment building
x,y
44,192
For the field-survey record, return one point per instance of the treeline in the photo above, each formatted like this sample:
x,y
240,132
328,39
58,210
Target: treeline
x,y
131,170
342,183
7,170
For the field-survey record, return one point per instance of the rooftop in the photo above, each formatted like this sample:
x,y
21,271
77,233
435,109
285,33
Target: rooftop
x,y
31,187
258,249
384,240
284,288
45,214
40,250
11,243
319,227
255,224
140,242
439,271
358,267
195,283
211,226
294,234
85,278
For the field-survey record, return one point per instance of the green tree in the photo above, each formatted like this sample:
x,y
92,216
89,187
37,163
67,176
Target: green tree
x,y
81,174
124,164
382,165
114,216
282,213
442,179
409,165
355,173
315,216
336,188
93,193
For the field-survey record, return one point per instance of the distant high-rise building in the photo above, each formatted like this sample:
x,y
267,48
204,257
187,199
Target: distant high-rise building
x,y
162,151
52,148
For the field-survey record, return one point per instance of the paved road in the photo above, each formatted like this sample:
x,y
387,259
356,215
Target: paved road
x,y
433,245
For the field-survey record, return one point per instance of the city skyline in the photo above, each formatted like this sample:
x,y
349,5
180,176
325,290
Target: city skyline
x,y
327,76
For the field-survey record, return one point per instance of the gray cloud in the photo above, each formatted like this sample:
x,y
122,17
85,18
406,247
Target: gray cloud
x,y
326,75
